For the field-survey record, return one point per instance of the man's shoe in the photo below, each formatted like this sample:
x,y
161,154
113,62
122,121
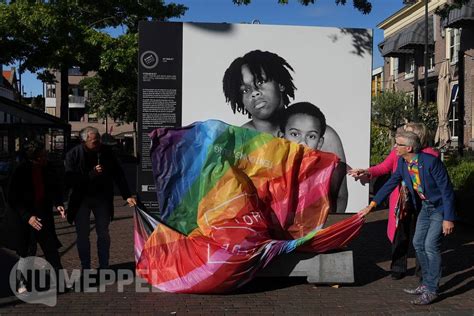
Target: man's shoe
x,y
417,291
21,284
397,275
425,298
21,287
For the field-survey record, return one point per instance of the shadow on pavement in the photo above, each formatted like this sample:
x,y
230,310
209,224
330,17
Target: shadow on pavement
x,y
265,284
371,247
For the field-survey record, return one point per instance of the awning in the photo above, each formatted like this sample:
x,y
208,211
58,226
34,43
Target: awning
x,y
460,17
389,47
405,41
414,34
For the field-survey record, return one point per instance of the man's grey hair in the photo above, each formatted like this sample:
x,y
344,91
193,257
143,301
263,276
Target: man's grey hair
x,y
411,139
84,133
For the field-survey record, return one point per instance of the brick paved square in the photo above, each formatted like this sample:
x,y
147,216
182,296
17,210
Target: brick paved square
x,y
374,291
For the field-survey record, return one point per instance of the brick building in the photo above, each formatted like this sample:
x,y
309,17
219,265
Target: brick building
x,y
450,39
123,133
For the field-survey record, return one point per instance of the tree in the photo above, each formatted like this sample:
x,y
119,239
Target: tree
x,y
428,115
62,34
391,110
363,6
113,90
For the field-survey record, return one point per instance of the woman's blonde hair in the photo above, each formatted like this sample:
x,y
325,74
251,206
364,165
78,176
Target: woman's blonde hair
x,y
420,130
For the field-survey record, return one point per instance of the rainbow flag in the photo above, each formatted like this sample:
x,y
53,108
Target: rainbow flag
x,y
231,199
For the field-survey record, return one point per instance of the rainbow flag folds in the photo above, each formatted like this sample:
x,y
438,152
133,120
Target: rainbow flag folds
x,y
231,199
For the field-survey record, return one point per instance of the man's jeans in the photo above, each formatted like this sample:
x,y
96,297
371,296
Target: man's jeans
x,y
427,243
101,212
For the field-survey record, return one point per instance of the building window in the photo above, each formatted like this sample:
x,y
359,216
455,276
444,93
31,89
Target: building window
x,y
453,115
454,45
409,66
76,91
431,62
76,114
395,68
50,90
92,118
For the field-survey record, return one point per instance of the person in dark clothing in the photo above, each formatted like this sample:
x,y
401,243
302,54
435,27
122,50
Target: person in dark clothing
x,y
33,191
91,170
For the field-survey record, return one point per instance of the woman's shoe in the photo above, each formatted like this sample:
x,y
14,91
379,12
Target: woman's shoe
x,y
425,298
417,291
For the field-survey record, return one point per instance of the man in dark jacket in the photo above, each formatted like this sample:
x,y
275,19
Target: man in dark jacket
x,y
91,170
33,191
432,193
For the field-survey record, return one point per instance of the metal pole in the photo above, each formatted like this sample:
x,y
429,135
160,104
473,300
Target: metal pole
x,y
416,84
426,52
460,105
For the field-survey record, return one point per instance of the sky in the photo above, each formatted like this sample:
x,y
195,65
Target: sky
x,y
321,13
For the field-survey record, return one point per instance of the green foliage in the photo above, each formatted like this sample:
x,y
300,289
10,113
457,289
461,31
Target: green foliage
x,y
380,144
428,115
363,6
391,110
113,90
64,34
461,172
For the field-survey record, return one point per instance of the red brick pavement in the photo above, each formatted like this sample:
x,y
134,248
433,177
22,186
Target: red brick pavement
x,y
373,293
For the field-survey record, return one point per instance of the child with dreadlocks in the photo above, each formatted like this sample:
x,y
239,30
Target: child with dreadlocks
x,y
260,85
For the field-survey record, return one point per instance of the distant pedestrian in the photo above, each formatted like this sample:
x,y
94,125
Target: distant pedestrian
x,y
33,191
91,170
432,192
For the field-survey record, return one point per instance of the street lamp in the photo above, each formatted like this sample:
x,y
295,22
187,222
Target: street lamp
x,y
426,52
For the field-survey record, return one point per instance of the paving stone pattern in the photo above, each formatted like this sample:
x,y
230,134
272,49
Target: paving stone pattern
x,y
374,292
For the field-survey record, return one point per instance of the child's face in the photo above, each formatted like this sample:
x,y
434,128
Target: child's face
x,y
263,99
304,129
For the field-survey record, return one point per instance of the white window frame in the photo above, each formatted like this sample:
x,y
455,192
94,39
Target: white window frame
x,y
431,63
454,45
453,115
409,66
394,64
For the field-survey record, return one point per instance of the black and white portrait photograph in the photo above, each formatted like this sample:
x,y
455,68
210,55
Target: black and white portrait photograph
x,y
310,85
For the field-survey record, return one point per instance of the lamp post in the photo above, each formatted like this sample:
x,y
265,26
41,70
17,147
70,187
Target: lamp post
x,y
426,54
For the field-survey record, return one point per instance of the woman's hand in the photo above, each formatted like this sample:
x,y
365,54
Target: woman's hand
x,y
35,222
